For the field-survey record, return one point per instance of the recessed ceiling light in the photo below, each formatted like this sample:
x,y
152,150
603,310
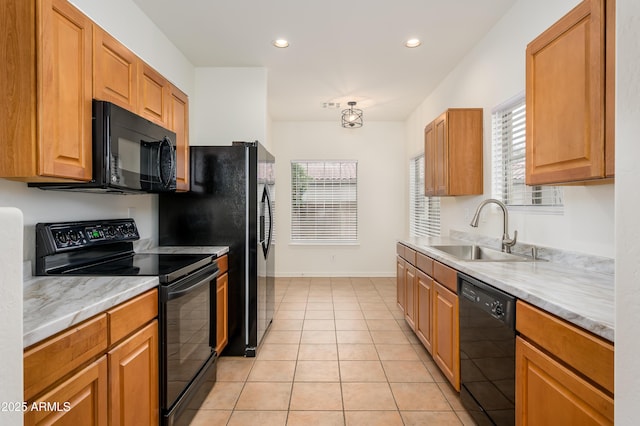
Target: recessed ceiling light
x,y
413,42
281,43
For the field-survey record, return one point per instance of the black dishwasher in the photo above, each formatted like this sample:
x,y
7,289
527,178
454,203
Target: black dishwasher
x,y
487,352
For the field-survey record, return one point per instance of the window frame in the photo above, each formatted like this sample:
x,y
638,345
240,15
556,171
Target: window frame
x,y
351,213
504,186
424,212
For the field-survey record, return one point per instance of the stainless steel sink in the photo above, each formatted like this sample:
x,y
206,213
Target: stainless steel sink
x,y
481,254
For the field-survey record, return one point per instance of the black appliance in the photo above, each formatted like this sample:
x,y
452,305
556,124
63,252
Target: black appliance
x,y
186,316
231,204
130,154
487,352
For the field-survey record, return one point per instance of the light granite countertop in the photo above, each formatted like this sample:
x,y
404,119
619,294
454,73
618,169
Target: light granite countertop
x,y
53,304
582,297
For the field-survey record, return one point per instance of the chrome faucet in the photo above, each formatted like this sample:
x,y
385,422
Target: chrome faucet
x,y
507,242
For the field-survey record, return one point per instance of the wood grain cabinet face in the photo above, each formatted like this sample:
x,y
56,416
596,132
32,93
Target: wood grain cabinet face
x,y
548,393
86,395
115,71
179,123
401,283
446,334
410,280
46,81
153,95
453,153
568,90
133,379
424,323
222,312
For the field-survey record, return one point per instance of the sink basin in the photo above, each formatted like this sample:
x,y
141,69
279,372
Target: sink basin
x,y
481,254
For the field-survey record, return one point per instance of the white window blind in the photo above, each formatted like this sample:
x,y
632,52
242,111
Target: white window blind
x,y
424,212
324,202
508,152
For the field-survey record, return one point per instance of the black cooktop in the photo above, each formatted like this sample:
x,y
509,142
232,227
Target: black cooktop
x,y
168,267
105,248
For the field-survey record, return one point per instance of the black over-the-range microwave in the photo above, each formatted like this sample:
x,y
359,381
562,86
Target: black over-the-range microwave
x,y
130,154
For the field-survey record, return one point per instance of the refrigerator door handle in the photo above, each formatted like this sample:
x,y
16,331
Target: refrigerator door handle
x,y
266,199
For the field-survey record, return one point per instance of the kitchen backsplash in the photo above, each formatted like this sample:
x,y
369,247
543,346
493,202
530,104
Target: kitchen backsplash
x,y
576,260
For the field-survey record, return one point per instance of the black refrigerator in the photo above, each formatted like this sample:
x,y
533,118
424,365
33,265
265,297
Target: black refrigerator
x,y
231,203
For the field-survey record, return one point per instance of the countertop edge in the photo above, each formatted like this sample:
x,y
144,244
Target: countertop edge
x,y
59,316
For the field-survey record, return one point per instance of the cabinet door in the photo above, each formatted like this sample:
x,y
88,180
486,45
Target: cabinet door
x,y
410,294
424,312
548,393
179,123
79,400
153,95
115,71
446,334
429,160
400,282
133,379
441,165
565,84
64,91
222,312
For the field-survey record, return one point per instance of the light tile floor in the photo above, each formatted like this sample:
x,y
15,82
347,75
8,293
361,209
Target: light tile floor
x,y
338,353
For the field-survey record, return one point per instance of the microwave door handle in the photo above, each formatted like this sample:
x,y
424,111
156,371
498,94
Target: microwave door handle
x,y
171,159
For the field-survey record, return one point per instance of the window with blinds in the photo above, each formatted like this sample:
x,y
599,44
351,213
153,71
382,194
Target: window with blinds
x,y
424,212
508,152
324,202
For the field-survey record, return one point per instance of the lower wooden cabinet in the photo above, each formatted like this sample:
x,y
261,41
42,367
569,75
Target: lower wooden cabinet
x,y
400,282
79,400
222,312
564,375
424,323
549,393
410,281
426,293
446,333
102,371
133,379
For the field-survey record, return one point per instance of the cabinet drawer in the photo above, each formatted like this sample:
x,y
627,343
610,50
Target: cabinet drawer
x,y
51,360
584,352
424,263
130,316
400,249
446,276
410,255
223,264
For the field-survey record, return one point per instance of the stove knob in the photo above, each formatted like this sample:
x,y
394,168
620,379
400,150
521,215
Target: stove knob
x,y
73,236
109,232
61,238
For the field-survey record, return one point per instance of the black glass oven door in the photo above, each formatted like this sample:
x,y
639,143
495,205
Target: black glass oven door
x,y
186,313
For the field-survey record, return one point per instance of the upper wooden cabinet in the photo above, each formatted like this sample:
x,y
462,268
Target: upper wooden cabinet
x,y
153,95
179,123
115,71
569,97
453,153
46,85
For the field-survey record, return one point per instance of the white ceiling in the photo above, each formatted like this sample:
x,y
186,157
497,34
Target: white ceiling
x,y
339,50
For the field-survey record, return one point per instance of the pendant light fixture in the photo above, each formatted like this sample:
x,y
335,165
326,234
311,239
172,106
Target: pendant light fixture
x,y
351,117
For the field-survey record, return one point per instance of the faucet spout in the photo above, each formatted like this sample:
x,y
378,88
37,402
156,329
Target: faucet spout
x,y
507,242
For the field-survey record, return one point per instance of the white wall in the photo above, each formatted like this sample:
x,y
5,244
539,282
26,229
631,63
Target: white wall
x,y
379,149
627,368
230,104
491,73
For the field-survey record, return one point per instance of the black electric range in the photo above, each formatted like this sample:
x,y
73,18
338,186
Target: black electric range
x,y
186,305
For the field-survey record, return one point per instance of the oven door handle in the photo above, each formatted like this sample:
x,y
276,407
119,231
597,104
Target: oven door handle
x,y
180,291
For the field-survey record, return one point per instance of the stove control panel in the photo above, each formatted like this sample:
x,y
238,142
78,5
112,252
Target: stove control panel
x,y
57,237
